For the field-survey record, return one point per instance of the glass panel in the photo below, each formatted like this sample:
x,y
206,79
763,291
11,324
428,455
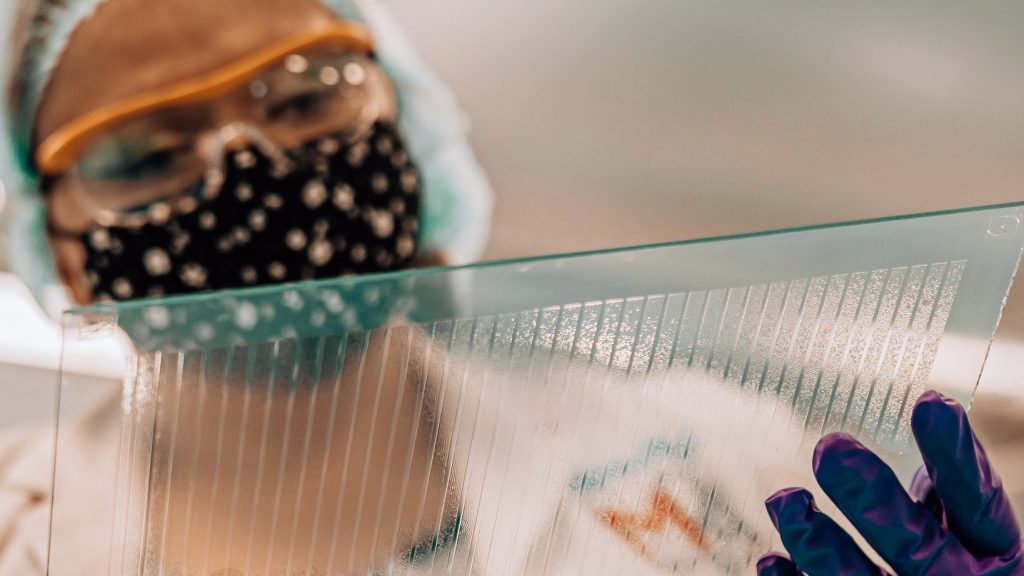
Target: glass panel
x,y
623,412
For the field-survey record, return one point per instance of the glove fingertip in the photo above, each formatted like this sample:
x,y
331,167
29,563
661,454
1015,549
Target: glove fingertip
x,y
788,505
938,419
833,452
775,564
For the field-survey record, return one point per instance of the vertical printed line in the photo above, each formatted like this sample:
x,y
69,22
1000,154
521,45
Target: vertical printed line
x,y
760,313
835,332
160,560
692,351
778,325
818,351
702,533
792,291
718,467
316,384
143,406
866,344
595,352
644,385
421,394
438,419
480,389
670,362
790,322
672,341
850,326
663,352
271,350
744,341
218,451
515,438
252,353
894,350
150,548
878,360
759,349
808,320
122,500
506,378
693,314
657,339
933,337
730,352
546,391
402,382
908,320
531,355
197,428
767,333
859,340
663,383
915,347
296,347
586,386
750,327
364,346
730,331
150,463
645,307
336,378
375,411
499,412
452,449
547,532
606,383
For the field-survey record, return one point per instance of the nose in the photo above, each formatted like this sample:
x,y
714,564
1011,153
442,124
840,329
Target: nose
x,y
236,136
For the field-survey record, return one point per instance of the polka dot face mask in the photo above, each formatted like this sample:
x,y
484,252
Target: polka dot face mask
x,y
333,207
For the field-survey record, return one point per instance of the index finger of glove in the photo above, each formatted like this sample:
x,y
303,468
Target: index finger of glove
x,y
902,531
977,508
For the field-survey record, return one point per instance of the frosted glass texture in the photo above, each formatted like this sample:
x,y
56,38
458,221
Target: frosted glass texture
x,y
623,412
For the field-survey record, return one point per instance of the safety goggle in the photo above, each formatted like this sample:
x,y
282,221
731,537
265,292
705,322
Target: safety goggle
x,y
127,156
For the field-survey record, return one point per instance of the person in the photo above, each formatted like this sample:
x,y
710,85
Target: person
x,y
305,140
77,130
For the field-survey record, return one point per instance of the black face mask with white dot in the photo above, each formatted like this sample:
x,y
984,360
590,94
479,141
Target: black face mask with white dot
x,y
341,208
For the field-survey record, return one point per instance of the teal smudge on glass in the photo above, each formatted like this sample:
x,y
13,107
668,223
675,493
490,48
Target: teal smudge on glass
x,y
596,478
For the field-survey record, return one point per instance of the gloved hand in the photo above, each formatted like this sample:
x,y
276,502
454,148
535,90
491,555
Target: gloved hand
x,y
956,520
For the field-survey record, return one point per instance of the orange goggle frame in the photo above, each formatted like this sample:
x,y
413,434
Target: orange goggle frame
x,y
58,152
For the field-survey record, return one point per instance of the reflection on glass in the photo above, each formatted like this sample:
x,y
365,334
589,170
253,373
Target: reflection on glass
x,y
623,412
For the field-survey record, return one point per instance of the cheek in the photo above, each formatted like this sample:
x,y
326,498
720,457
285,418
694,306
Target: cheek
x,y
69,256
65,210
389,98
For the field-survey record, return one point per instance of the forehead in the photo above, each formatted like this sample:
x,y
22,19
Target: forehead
x,y
130,46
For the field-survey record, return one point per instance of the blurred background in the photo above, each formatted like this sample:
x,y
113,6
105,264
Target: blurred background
x,y
655,120
615,123
610,123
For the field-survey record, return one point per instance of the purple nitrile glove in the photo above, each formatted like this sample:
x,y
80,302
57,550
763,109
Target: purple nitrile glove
x,y
956,521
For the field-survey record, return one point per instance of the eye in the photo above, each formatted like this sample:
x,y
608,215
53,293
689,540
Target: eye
x,y
152,164
301,106
132,160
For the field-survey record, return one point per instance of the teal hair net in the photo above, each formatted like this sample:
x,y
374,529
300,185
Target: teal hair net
x,y
457,199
